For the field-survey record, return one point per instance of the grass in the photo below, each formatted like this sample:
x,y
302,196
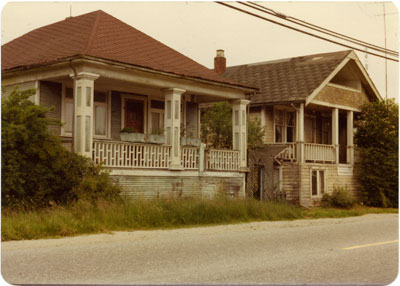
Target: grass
x,y
85,218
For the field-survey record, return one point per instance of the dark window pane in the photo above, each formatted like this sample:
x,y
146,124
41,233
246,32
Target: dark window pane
x,y
314,183
322,181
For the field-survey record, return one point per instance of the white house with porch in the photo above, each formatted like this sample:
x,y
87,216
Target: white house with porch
x,y
101,76
307,105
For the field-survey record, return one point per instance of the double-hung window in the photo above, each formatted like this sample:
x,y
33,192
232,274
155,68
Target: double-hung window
x,y
100,114
284,126
157,116
318,182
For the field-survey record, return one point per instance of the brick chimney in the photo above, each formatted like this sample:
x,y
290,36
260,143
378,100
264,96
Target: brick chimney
x,y
220,62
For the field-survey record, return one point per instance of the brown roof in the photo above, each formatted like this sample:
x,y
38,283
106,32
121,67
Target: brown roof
x,y
286,80
100,35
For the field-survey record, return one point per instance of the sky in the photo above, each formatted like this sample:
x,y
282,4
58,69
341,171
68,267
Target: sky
x,y
198,29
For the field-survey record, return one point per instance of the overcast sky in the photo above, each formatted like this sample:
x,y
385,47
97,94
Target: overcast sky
x,y
198,29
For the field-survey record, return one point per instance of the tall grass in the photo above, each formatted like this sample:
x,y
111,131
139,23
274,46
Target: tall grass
x,y
83,217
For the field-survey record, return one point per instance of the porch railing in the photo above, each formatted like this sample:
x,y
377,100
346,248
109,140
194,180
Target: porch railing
x,y
289,153
131,155
319,152
190,157
222,160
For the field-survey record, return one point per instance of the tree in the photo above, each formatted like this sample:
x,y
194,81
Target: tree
x,y
377,140
36,169
216,127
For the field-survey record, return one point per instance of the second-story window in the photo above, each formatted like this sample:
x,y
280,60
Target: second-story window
x,y
284,126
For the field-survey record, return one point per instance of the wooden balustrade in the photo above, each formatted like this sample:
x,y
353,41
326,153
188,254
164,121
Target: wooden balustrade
x,y
319,153
131,155
289,153
222,160
190,157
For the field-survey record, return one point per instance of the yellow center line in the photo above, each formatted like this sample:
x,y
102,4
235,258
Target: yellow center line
x,y
371,244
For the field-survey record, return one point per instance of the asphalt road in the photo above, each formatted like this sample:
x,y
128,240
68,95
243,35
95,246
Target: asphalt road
x,y
357,250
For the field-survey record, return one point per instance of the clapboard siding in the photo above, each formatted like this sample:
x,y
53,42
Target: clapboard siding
x,y
290,182
7,89
151,187
115,115
298,189
50,97
269,124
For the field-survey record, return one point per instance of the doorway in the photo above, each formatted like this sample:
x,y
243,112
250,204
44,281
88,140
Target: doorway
x,y
134,115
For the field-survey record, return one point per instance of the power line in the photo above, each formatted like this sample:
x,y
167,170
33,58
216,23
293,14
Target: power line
x,y
318,28
301,31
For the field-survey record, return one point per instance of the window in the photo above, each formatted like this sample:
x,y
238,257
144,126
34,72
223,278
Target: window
x,y
284,126
67,111
157,115
100,114
317,182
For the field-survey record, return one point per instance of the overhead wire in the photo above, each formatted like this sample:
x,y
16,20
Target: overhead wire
x,y
304,32
318,28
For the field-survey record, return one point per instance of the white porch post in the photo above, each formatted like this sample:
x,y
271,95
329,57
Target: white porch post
x,y
300,133
350,135
239,129
83,113
335,133
172,124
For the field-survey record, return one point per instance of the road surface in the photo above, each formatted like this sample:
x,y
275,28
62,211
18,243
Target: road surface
x,y
357,250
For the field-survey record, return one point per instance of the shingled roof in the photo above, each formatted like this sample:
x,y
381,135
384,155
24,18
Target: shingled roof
x,y
100,35
287,80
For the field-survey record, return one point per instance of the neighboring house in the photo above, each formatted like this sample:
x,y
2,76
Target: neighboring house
x,y
307,106
102,75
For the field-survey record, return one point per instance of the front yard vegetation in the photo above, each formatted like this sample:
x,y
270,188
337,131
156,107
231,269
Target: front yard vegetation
x,y
37,171
377,139
105,216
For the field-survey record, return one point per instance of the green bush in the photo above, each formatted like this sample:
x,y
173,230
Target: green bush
x,y
216,126
340,198
37,171
377,140
255,133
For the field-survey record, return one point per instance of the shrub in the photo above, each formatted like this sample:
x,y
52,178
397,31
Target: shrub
x,y
255,133
216,125
377,140
37,170
340,198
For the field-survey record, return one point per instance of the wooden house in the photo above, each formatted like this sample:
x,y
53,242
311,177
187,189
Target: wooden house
x,y
101,76
307,107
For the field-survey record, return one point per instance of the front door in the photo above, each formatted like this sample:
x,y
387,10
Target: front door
x,y
134,115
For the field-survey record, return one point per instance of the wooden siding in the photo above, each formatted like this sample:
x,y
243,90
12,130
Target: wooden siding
x,y
336,176
115,115
290,182
339,96
192,112
269,124
151,187
50,97
21,86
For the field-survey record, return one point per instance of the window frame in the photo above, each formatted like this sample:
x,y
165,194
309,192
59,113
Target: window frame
x,y
320,192
64,100
284,124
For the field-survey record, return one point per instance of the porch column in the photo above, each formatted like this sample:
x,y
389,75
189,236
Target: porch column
x,y
335,133
239,129
172,124
300,133
83,113
350,147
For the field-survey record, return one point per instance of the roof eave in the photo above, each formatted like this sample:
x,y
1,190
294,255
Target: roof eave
x,y
246,89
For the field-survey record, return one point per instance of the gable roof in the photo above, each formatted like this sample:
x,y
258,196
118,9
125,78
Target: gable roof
x,y
287,80
100,35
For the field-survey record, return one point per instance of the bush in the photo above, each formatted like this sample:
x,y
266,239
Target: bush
x,y
340,198
37,171
377,140
255,133
216,126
